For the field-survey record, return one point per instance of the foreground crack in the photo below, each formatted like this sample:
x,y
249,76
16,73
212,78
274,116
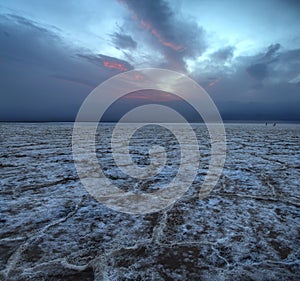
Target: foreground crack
x,y
16,256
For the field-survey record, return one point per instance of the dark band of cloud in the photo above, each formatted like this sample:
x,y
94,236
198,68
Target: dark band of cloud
x,y
123,41
260,70
44,77
174,38
223,54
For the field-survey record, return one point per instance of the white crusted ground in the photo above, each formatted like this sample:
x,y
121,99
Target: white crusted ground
x,y
247,229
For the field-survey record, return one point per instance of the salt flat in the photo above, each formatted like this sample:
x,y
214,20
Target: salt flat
x,y
248,228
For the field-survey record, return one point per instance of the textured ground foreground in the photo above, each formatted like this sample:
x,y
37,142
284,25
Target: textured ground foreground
x,y
247,229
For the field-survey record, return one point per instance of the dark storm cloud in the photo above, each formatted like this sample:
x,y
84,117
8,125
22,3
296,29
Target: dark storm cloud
x,y
276,64
260,70
292,55
75,80
223,54
176,39
215,66
292,59
24,22
123,41
27,41
271,53
259,87
272,66
107,62
42,76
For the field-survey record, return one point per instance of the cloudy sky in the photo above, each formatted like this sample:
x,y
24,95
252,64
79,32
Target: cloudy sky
x,y
246,54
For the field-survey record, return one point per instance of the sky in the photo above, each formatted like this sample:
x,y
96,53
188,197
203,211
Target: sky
x,y
245,54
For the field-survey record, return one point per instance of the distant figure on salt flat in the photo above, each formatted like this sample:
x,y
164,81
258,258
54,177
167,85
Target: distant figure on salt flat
x,y
274,124
266,123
